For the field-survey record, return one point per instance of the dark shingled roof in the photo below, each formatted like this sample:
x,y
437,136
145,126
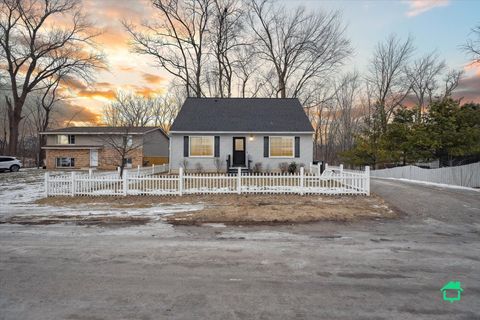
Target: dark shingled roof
x,y
242,115
102,129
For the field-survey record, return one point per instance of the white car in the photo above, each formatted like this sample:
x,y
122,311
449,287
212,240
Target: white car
x,y
10,163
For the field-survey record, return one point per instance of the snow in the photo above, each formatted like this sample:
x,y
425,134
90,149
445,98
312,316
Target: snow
x,y
20,190
441,185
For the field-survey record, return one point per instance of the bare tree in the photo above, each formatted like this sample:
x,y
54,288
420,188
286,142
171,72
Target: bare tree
x,y
246,66
472,46
319,113
349,111
301,46
35,50
387,81
451,81
166,108
423,75
129,109
225,30
124,145
42,106
177,40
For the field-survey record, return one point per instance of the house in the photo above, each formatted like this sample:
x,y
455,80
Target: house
x,y
213,134
98,147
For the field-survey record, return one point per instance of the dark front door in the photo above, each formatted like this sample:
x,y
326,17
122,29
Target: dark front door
x,y
239,151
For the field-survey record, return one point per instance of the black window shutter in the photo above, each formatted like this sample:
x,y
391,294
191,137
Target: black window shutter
x,y
217,146
185,146
265,147
297,147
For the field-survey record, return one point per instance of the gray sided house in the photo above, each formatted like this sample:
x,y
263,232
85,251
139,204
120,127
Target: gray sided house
x,y
214,134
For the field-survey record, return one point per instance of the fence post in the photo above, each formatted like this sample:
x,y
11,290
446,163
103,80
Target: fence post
x,y
118,170
311,166
138,169
302,171
367,176
46,184
125,182
90,172
72,190
342,179
319,169
180,181
239,180
153,168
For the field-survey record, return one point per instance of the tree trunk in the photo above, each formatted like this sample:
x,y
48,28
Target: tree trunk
x,y
282,87
14,118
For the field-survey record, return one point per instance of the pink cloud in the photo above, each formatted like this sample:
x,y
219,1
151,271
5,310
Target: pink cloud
x,y
417,7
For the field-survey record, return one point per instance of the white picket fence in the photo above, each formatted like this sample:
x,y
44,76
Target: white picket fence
x,y
466,176
332,182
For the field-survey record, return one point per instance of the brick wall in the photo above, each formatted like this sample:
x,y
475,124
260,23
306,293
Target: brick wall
x,y
82,157
108,159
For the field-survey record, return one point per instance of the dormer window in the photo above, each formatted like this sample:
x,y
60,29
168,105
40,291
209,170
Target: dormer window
x,y
65,139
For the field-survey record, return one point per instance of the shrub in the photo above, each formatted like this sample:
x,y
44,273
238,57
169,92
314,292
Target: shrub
x,y
283,166
257,167
292,167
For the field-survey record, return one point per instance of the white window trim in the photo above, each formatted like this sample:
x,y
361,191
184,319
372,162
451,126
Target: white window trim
x,y
190,146
56,162
281,157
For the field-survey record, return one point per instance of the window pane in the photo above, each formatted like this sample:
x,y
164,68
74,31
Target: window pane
x,y
239,145
201,146
281,147
71,139
65,162
62,139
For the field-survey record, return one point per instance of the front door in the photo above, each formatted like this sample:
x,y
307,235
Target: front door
x,y
93,158
239,151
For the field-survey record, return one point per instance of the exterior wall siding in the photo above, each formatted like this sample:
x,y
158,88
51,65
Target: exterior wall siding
x,y
254,150
155,144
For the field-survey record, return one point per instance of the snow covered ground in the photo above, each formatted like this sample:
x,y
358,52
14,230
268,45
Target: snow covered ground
x,y
20,190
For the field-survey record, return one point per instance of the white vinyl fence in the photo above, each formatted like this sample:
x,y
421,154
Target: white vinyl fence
x,y
466,176
332,182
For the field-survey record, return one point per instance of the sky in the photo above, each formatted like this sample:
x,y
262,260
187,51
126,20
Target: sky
x,y
440,25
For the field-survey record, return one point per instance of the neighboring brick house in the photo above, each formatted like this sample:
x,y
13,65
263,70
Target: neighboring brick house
x,y
92,147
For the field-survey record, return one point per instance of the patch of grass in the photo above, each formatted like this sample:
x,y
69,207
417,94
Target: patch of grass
x,y
286,209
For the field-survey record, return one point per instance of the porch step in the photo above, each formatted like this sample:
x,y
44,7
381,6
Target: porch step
x,y
235,170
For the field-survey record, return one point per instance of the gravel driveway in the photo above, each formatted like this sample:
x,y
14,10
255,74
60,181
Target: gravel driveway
x,y
384,269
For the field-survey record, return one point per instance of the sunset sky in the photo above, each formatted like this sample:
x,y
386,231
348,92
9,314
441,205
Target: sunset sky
x,y
440,25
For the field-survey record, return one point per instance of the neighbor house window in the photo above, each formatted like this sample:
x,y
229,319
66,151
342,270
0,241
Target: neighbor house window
x,y
66,139
65,162
127,162
201,146
282,147
128,140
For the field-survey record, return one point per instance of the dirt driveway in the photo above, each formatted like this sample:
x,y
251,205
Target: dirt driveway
x,y
385,269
